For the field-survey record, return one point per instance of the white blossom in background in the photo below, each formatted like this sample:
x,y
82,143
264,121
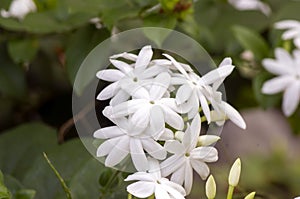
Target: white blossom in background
x,y
188,157
287,69
292,30
156,106
152,182
251,5
19,9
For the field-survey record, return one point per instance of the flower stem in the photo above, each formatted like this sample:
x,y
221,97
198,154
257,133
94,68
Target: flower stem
x,y
129,196
151,197
230,192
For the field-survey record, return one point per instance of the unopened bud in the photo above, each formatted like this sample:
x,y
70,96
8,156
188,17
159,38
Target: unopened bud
x,y
235,172
250,195
210,188
205,140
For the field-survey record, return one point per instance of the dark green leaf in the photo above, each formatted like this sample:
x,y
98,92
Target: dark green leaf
x,y
22,50
252,41
25,194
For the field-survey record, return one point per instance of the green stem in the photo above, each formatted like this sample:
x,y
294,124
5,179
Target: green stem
x,y
151,197
230,192
129,196
61,180
110,181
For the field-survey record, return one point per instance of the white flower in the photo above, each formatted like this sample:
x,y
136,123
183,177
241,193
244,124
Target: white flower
x,y
187,157
128,78
123,140
297,197
152,183
251,5
192,86
19,9
222,109
287,67
292,32
150,109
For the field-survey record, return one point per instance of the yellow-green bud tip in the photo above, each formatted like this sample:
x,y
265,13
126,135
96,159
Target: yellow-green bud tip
x,y
250,195
210,187
235,172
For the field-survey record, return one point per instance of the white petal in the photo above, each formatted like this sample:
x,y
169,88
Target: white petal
x,y
109,91
152,72
183,94
217,74
140,118
126,68
206,154
285,24
108,132
179,175
190,137
291,98
226,61
178,80
285,58
110,75
121,96
177,65
134,89
166,135
171,164
118,153
276,84
107,146
160,86
137,155
275,67
204,106
141,189
289,34
188,180
171,185
201,168
160,193
234,115
175,147
127,108
206,140
154,168
154,149
157,122
297,42
129,56
172,118
141,176
144,57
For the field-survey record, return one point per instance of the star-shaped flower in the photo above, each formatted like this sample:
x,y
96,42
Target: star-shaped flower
x,y
287,67
187,157
128,78
292,32
151,182
19,9
123,140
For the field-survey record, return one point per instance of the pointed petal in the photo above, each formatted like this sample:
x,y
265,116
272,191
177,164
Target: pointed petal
x,y
285,58
205,154
285,24
141,189
107,146
234,115
118,153
127,108
129,56
154,149
109,91
172,118
166,135
201,168
177,65
134,89
144,57
121,96
276,85
217,74
141,117
110,75
171,164
124,67
108,132
204,106
138,156
160,86
140,176
175,147
297,42
178,80
188,180
289,34
183,94
154,168
174,186
157,122
291,98
179,175
190,137
153,71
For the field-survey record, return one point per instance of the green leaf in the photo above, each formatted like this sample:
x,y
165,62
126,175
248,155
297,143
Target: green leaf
x,y
168,5
22,50
160,21
25,194
265,101
79,46
12,77
4,193
252,41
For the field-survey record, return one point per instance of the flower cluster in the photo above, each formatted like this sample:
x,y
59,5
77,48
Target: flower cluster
x,y
158,106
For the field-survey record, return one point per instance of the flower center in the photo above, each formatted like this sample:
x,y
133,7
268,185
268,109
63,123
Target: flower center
x,y
152,102
135,79
187,154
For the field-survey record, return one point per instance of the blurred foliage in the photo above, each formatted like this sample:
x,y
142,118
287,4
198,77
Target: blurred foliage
x,y
40,56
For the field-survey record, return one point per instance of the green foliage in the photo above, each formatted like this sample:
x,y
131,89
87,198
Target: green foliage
x,y
4,193
22,50
252,41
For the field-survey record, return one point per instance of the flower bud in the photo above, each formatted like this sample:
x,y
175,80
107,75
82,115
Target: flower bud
x,y
250,195
210,188
205,140
235,172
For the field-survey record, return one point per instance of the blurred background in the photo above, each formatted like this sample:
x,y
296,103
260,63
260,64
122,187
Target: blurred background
x,y
41,52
